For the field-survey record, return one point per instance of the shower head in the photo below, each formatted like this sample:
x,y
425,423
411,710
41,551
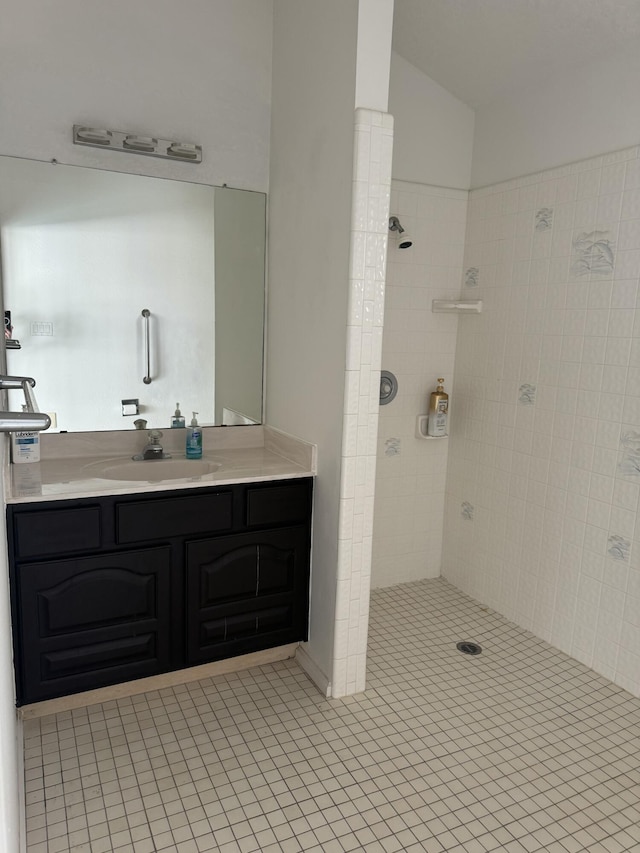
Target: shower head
x,y
404,241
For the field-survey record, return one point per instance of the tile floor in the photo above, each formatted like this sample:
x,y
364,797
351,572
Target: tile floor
x,y
517,749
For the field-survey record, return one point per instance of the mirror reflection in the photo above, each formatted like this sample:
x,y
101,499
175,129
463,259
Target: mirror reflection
x,y
85,252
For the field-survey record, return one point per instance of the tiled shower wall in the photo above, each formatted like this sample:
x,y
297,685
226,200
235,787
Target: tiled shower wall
x,y
418,347
544,467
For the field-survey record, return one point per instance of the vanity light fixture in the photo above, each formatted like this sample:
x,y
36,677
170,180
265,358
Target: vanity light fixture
x,y
133,143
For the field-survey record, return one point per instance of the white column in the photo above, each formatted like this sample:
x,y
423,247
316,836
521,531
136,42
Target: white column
x,y
369,231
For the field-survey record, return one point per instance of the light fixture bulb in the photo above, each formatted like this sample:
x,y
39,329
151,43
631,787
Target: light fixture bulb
x,y
184,151
140,143
93,135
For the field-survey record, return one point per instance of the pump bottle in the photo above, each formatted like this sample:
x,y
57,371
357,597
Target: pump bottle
x,y
438,411
193,448
177,421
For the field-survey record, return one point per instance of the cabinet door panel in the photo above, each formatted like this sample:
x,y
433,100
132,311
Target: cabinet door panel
x,y
244,567
246,592
226,577
96,597
275,569
93,621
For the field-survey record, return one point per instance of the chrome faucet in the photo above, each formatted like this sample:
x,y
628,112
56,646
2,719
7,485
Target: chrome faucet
x,y
153,449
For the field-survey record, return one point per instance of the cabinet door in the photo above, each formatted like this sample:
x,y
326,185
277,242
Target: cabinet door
x,y
93,621
246,592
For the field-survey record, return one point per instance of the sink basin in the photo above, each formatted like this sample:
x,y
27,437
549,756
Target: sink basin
x,y
156,470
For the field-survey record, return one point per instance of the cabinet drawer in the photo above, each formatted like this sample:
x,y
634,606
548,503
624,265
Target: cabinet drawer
x,y
249,623
168,517
278,504
57,531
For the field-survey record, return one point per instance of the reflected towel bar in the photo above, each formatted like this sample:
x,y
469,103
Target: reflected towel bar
x,y
147,345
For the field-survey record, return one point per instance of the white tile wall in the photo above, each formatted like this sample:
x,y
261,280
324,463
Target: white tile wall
x,y
418,346
373,147
545,444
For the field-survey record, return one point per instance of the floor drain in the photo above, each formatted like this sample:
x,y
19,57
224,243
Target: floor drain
x,y
469,648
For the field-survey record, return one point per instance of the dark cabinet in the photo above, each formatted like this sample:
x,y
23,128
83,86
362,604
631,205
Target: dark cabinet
x,y
123,587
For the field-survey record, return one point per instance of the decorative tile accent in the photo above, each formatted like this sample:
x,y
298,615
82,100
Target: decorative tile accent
x,y
593,253
373,145
392,447
629,464
618,547
467,510
527,394
471,277
544,219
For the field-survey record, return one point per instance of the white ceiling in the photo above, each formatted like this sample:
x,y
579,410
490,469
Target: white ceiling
x,y
480,50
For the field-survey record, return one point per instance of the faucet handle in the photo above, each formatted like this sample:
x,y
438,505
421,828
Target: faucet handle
x,y
154,435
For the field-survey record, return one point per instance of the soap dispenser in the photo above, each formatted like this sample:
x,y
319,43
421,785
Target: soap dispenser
x,y
177,421
194,439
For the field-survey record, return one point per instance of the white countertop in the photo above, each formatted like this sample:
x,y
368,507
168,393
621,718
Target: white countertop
x,y
70,477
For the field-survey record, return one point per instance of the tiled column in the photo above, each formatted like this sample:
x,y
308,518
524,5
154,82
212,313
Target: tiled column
x,y
369,231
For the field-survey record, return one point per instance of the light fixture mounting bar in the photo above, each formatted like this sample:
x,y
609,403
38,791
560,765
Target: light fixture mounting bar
x,y
135,143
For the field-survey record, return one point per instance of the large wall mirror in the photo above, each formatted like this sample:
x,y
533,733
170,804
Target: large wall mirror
x,y
85,252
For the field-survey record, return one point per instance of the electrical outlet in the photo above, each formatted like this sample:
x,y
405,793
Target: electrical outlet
x,y
41,329
54,420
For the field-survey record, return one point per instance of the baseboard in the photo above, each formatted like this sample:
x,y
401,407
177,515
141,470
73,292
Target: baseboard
x,y
313,671
22,794
156,682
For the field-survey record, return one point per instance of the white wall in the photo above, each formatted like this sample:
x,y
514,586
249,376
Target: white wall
x,y
375,26
312,127
10,783
433,130
200,72
585,112
418,346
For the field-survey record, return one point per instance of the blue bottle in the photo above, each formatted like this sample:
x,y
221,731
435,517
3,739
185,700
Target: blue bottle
x,y
194,439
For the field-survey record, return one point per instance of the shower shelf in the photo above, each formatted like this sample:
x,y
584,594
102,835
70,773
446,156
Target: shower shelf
x,y
456,306
421,429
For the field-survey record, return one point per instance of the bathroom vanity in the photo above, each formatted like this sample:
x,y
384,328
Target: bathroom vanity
x,y
145,580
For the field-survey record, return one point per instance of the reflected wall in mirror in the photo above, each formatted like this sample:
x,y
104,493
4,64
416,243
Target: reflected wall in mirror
x,y
85,251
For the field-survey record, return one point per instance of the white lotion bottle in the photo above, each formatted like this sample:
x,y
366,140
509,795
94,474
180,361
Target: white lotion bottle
x,y
25,447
